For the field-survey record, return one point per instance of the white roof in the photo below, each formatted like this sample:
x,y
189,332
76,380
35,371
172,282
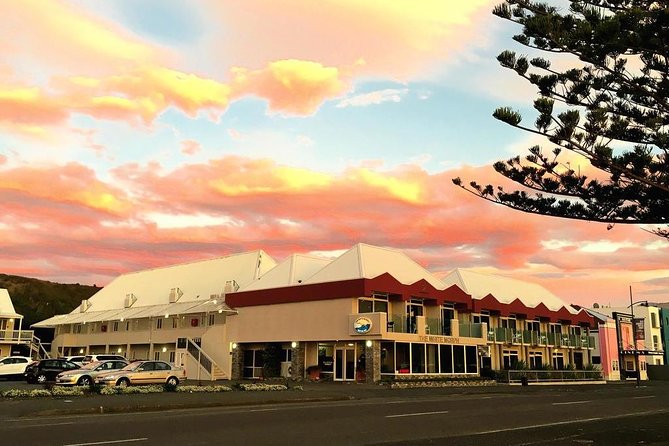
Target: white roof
x,y
173,309
505,289
292,271
6,306
366,261
196,280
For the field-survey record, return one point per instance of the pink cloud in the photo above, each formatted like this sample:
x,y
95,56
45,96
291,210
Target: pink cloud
x,y
190,147
251,204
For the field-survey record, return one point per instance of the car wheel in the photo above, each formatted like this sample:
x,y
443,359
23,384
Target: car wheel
x,y
85,381
41,378
123,382
172,381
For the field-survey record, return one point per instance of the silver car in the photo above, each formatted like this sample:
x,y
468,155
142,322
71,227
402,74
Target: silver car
x,y
85,376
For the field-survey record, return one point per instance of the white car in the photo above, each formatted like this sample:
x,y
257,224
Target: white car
x,y
14,366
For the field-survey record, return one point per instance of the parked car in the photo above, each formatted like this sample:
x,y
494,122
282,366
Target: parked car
x,y
85,376
14,366
104,357
76,359
144,372
47,370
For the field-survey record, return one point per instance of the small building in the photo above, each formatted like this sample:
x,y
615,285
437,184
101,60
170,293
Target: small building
x,y
13,339
370,313
639,337
605,353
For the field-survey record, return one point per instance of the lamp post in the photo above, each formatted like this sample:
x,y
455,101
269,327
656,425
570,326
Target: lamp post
x,y
636,350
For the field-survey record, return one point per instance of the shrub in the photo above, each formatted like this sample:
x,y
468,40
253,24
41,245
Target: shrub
x,y
255,387
196,389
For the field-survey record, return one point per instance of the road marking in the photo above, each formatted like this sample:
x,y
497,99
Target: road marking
x,y
129,440
572,402
561,423
642,397
522,428
262,410
416,414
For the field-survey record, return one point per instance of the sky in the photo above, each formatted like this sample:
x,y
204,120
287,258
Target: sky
x,y
141,134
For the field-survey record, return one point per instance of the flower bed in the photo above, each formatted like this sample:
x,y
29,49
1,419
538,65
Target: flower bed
x,y
261,387
458,383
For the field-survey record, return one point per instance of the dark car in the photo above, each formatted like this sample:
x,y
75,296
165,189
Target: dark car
x,y
47,370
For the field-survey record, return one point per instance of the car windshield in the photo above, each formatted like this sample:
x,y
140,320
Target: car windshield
x,y
90,366
132,366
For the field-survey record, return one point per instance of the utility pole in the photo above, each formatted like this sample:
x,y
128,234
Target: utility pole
x,y
636,351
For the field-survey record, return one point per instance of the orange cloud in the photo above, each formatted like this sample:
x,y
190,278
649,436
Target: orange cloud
x,y
291,86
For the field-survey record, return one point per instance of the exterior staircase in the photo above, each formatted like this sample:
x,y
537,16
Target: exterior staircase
x,y
207,365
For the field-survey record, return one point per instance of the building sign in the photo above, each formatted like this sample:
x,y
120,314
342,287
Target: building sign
x,y
625,330
639,332
439,339
362,325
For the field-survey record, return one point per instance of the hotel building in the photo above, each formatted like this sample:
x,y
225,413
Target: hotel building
x,y
368,314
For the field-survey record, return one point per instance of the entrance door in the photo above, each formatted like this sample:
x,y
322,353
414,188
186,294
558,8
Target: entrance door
x,y
344,364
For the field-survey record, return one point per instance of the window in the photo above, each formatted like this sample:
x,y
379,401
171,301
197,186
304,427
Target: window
x,y
159,323
447,314
127,326
643,365
533,326
471,359
536,360
376,304
156,355
115,326
508,323
484,317
3,324
417,358
614,365
596,360
212,319
387,357
558,361
446,358
556,328
175,322
575,330
509,359
656,343
459,358
162,366
253,363
172,356
414,309
77,328
653,320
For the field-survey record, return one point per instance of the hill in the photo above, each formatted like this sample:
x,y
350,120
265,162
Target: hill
x,y
38,299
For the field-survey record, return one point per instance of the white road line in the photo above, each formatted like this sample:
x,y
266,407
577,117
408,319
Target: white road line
x,y
572,402
262,410
522,428
129,440
416,414
642,397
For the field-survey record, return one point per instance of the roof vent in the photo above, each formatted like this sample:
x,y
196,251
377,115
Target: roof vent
x,y
175,295
130,299
595,305
230,286
85,305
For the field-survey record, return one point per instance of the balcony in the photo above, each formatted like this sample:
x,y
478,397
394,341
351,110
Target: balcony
x,y
543,339
16,336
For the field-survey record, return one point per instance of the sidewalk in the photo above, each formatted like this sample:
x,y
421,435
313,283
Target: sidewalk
x,y
93,404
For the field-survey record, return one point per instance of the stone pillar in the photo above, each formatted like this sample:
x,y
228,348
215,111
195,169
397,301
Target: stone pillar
x,y
373,362
297,361
237,363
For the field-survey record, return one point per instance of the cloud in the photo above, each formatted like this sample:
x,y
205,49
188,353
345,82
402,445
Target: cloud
x,y
291,86
373,98
393,39
190,147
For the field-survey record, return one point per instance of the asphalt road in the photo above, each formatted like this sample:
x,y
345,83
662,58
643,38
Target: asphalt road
x,y
606,415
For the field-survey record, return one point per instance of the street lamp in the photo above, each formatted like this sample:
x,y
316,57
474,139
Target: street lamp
x,y
636,350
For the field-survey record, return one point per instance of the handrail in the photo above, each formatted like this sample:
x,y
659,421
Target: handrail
x,y
40,347
516,376
205,361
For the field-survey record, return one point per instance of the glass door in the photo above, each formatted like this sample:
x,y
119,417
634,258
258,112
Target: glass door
x,y
344,364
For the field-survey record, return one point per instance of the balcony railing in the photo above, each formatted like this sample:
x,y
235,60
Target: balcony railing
x,y
16,336
471,330
534,338
518,376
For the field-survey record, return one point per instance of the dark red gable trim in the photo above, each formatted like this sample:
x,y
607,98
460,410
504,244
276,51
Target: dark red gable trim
x,y
386,283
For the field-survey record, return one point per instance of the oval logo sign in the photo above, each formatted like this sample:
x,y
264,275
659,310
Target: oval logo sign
x,y
362,325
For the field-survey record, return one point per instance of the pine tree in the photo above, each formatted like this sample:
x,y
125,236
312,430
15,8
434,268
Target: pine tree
x,y
610,107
